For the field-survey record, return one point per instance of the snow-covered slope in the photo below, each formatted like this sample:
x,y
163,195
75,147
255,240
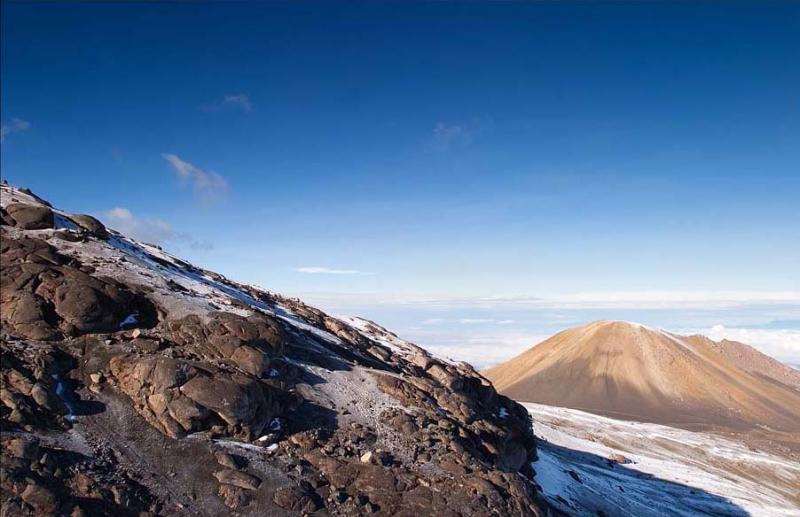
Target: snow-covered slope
x,y
588,464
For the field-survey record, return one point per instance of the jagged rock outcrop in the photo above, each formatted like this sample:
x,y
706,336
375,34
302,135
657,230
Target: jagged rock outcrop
x,y
42,480
47,296
249,343
40,476
135,382
91,225
30,217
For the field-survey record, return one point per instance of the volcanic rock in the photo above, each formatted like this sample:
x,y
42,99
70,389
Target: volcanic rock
x,y
162,382
30,217
92,225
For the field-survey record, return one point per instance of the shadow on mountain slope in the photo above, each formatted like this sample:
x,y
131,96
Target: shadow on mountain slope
x,y
581,483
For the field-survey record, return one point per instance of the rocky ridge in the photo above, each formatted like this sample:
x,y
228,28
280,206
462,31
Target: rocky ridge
x,y
135,383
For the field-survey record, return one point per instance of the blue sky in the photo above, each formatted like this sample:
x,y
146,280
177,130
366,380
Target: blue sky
x,y
399,160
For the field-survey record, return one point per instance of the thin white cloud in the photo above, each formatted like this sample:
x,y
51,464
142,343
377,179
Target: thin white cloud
x,y
581,300
466,321
664,299
446,136
493,345
317,270
208,186
15,125
229,102
150,230
240,101
480,350
119,214
487,349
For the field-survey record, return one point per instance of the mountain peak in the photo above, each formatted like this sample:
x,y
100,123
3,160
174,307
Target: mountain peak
x,y
618,324
622,368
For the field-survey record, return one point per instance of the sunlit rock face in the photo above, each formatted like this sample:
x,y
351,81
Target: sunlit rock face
x,y
136,382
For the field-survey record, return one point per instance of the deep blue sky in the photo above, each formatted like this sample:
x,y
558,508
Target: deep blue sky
x,y
447,150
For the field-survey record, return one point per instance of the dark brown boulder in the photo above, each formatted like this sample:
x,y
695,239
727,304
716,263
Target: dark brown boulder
x,y
228,460
47,482
251,360
153,384
5,219
512,456
43,295
27,249
233,496
28,315
31,217
41,499
237,478
91,225
22,448
27,387
176,397
248,342
238,400
297,499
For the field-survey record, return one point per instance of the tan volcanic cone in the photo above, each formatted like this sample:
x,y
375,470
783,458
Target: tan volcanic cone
x,y
628,370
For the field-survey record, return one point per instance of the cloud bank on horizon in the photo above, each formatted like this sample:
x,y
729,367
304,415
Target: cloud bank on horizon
x,y
319,270
486,330
661,299
489,346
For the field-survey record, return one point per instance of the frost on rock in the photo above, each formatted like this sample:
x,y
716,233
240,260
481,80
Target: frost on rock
x,y
61,391
224,367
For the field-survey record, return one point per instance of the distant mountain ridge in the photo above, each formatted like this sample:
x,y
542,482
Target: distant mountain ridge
x,y
750,360
633,371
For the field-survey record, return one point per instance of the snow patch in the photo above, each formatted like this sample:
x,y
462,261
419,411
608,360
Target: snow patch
x,y
61,392
670,471
61,222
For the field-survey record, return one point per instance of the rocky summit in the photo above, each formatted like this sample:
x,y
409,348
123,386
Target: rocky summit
x,y
134,383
